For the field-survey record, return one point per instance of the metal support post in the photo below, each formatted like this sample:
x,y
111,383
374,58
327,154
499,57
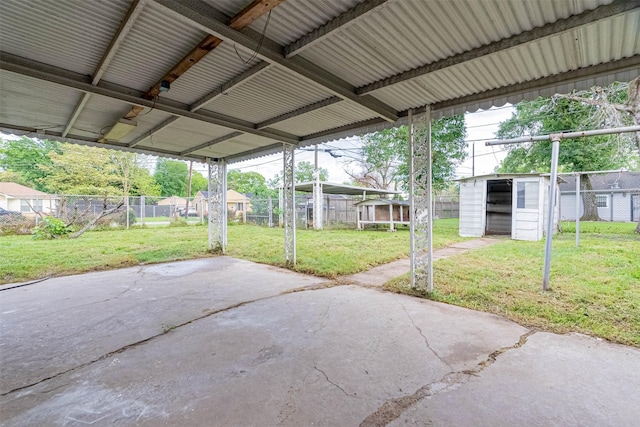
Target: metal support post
x,y
289,199
577,210
551,208
143,208
216,206
421,208
270,209
317,196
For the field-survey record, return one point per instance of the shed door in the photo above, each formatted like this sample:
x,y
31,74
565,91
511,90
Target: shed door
x,y
472,207
528,210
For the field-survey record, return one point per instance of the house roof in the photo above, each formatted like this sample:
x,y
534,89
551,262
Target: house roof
x,y
231,195
173,200
343,189
622,180
502,176
305,73
15,190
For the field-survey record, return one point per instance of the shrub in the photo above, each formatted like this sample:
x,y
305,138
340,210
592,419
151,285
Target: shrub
x,y
50,228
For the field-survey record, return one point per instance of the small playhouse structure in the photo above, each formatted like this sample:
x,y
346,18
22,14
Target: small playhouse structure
x,y
506,204
383,211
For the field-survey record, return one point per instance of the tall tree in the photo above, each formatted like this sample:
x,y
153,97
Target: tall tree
x,y
171,176
248,183
26,159
384,157
554,115
82,170
303,173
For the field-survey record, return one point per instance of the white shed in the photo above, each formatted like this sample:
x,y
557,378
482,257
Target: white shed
x,y
505,204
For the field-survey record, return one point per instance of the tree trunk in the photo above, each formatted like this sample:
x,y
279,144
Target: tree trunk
x,y
589,200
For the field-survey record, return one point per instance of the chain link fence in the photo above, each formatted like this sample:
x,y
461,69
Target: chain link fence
x,y
604,196
337,211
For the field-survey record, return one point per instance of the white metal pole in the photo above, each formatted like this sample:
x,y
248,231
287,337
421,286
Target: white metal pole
x,y
577,210
412,206
429,202
551,208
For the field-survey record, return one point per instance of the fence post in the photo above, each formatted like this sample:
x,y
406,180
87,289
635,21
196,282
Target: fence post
x,y
143,208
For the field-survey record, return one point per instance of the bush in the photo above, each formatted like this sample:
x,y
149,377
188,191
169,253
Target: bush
x,y
51,228
122,218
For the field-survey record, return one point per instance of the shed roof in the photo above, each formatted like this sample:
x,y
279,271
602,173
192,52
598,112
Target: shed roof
x,y
343,189
321,70
502,176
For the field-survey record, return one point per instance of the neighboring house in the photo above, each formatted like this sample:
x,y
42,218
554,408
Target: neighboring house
x,y
617,196
237,204
507,204
27,201
175,203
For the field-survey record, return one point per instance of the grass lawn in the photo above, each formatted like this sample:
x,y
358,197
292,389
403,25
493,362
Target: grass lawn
x,y
328,253
595,289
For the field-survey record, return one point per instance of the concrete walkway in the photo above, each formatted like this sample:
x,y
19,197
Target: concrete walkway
x,y
380,275
224,342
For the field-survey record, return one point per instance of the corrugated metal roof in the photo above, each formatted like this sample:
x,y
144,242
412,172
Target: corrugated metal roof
x,y
50,49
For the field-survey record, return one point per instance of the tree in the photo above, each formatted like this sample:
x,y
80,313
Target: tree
x,y
25,158
554,115
133,179
304,172
248,183
384,158
171,176
77,169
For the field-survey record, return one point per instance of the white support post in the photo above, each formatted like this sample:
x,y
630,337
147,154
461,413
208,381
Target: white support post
x,y
421,208
577,210
270,209
412,204
289,199
317,196
216,206
391,218
551,208
143,208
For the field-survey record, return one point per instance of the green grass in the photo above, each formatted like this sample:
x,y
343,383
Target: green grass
x,y
328,253
332,253
22,258
595,289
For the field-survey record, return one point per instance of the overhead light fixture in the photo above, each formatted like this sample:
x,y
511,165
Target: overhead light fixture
x,y
122,128
165,85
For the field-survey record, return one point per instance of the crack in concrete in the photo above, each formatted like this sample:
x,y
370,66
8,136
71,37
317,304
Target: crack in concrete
x,y
138,343
334,384
392,409
426,341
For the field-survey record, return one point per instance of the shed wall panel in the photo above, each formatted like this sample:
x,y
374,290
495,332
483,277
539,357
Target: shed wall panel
x,y
472,196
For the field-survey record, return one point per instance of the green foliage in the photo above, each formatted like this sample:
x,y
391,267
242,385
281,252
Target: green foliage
x,y
249,183
385,154
172,176
122,218
51,228
25,158
547,116
303,173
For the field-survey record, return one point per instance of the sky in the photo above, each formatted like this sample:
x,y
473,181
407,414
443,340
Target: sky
x,y
481,127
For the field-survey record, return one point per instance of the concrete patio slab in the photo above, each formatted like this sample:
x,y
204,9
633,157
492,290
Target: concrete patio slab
x,y
222,342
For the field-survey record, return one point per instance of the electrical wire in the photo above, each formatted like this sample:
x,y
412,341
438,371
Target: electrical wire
x,y
255,53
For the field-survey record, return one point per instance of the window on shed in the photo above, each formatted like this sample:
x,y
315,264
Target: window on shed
x,y
603,200
527,195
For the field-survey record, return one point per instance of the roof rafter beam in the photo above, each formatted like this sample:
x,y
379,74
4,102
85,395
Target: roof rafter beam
x,y
236,81
602,12
114,45
38,70
239,22
298,112
212,142
340,22
203,16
